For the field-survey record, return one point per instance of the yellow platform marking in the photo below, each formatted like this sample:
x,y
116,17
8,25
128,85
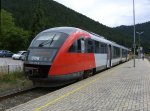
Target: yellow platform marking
x,y
72,92
65,95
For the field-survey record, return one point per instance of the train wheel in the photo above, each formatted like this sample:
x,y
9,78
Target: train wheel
x,y
94,71
88,73
82,76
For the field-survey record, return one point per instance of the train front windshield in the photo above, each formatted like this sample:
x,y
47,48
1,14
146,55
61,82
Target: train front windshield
x,y
45,46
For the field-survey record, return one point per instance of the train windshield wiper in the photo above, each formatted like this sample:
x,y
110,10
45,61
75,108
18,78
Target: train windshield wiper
x,y
47,42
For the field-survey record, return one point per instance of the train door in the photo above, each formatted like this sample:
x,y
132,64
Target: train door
x,y
109,56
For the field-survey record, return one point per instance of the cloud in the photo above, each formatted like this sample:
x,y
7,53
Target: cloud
x,y
109,12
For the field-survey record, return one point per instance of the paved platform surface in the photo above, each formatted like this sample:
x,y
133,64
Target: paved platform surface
x,y
122,88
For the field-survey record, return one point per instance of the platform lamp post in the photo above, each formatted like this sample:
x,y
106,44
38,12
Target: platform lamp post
x,y
134,45
139,44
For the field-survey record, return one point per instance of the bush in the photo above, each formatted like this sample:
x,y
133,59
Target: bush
x,y
14,77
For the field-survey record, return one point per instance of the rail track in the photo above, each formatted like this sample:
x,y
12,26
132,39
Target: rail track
x,y
16,98
15,93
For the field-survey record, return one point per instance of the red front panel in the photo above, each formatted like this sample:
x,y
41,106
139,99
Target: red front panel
x,y
67,62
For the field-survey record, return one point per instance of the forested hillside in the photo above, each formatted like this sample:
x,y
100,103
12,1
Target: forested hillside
x,y
33,16
144,37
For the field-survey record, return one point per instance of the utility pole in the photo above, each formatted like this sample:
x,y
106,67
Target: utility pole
x,y
134,45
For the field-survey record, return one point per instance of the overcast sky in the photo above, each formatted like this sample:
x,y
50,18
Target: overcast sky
x,y
111,12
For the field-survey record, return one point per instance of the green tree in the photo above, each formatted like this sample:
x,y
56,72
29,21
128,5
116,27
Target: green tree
x,y
11,37
38,19
37,15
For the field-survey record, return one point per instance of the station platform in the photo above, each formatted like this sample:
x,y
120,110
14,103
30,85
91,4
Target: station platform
x,y
121,88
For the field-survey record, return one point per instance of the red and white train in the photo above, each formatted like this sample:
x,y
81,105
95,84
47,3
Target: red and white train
x,y
60,55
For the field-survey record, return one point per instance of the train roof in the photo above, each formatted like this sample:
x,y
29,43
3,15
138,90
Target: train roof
x,y
104,40
70,30
67,30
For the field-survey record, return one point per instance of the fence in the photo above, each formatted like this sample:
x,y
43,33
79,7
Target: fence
x,y
10,69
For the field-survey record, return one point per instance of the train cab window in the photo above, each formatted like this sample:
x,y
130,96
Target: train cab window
x,y
49,39
78,46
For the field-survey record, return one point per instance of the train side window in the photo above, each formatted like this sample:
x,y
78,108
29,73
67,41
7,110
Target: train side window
x,y
73,47
124,53
116,52
97,47
90,46
103,48
78,46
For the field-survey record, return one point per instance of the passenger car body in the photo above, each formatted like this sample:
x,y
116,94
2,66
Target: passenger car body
x,y
23,56
5,53
18,55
